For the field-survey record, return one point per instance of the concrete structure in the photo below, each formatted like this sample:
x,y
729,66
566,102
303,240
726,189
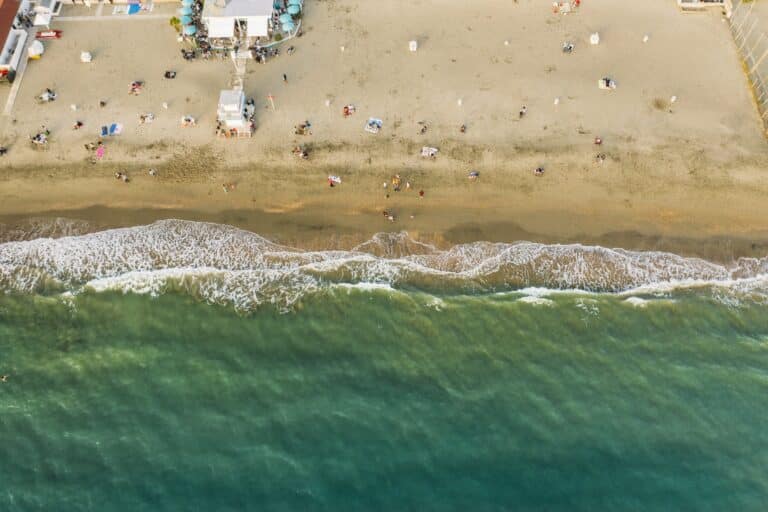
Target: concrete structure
x,y
237,19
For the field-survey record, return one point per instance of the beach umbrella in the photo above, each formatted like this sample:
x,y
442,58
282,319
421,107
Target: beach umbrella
x,y
294,2
190,30
187,3
186,20
185,11
287,27
286,18
294,9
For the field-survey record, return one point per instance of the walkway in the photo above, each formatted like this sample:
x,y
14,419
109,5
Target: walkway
x,y
114,17
19,75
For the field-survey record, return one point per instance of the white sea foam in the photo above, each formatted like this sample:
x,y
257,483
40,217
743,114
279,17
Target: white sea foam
x,y
536,301
225,265
637,302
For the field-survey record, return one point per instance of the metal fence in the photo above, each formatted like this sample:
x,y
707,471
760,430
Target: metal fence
x,y
752,43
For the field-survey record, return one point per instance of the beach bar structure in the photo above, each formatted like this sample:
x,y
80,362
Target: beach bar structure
x,y
12,40
237,20
231,114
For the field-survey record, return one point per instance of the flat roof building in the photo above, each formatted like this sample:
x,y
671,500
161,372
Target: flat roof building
x,y
246,18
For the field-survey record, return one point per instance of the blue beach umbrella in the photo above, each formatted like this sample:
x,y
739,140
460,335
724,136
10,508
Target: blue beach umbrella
x,y
185,11
190,30
287,27
294,2
294,9
186,20
187,3
285,18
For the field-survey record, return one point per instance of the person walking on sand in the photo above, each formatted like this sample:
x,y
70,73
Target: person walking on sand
x,y
523,111
285,78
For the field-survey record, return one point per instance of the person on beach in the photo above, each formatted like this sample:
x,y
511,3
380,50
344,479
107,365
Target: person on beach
x,y
421,194
539,171
285,78
3,150
463,129
523,111
77,125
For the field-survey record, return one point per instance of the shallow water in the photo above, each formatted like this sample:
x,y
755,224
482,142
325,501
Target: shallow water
x,y
477,392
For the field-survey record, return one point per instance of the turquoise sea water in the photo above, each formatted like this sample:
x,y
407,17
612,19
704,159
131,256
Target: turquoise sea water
x,y
400,396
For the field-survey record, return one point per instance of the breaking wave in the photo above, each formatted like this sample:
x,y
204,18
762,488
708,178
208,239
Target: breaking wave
x,y
225,265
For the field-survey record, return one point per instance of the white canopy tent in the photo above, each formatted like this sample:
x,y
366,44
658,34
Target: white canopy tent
x,y
42,19
220,17
258,26
221,27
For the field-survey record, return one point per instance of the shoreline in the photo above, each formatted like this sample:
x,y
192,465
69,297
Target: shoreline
x,y
654,200
297,233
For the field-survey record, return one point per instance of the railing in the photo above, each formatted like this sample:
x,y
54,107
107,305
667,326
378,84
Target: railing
x,y
752,45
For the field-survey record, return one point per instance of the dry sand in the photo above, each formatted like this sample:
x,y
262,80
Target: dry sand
x,y
697,172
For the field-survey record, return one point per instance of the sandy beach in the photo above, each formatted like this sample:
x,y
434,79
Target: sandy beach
x,y
687,176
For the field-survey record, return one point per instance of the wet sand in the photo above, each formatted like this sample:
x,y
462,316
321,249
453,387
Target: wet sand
x,y
715,210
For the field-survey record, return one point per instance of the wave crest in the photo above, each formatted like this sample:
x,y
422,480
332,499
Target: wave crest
x,y
225,265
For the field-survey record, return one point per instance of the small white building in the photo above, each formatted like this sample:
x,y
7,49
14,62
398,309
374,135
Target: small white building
x,y
12,41
237,19
231,114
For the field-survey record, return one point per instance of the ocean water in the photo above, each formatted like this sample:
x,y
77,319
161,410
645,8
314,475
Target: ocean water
x,y
191,366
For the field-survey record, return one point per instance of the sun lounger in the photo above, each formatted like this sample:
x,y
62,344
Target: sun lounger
x,y
373,125
428,152
606,84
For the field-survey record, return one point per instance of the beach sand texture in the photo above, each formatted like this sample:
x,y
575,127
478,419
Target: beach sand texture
x,y
695,167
